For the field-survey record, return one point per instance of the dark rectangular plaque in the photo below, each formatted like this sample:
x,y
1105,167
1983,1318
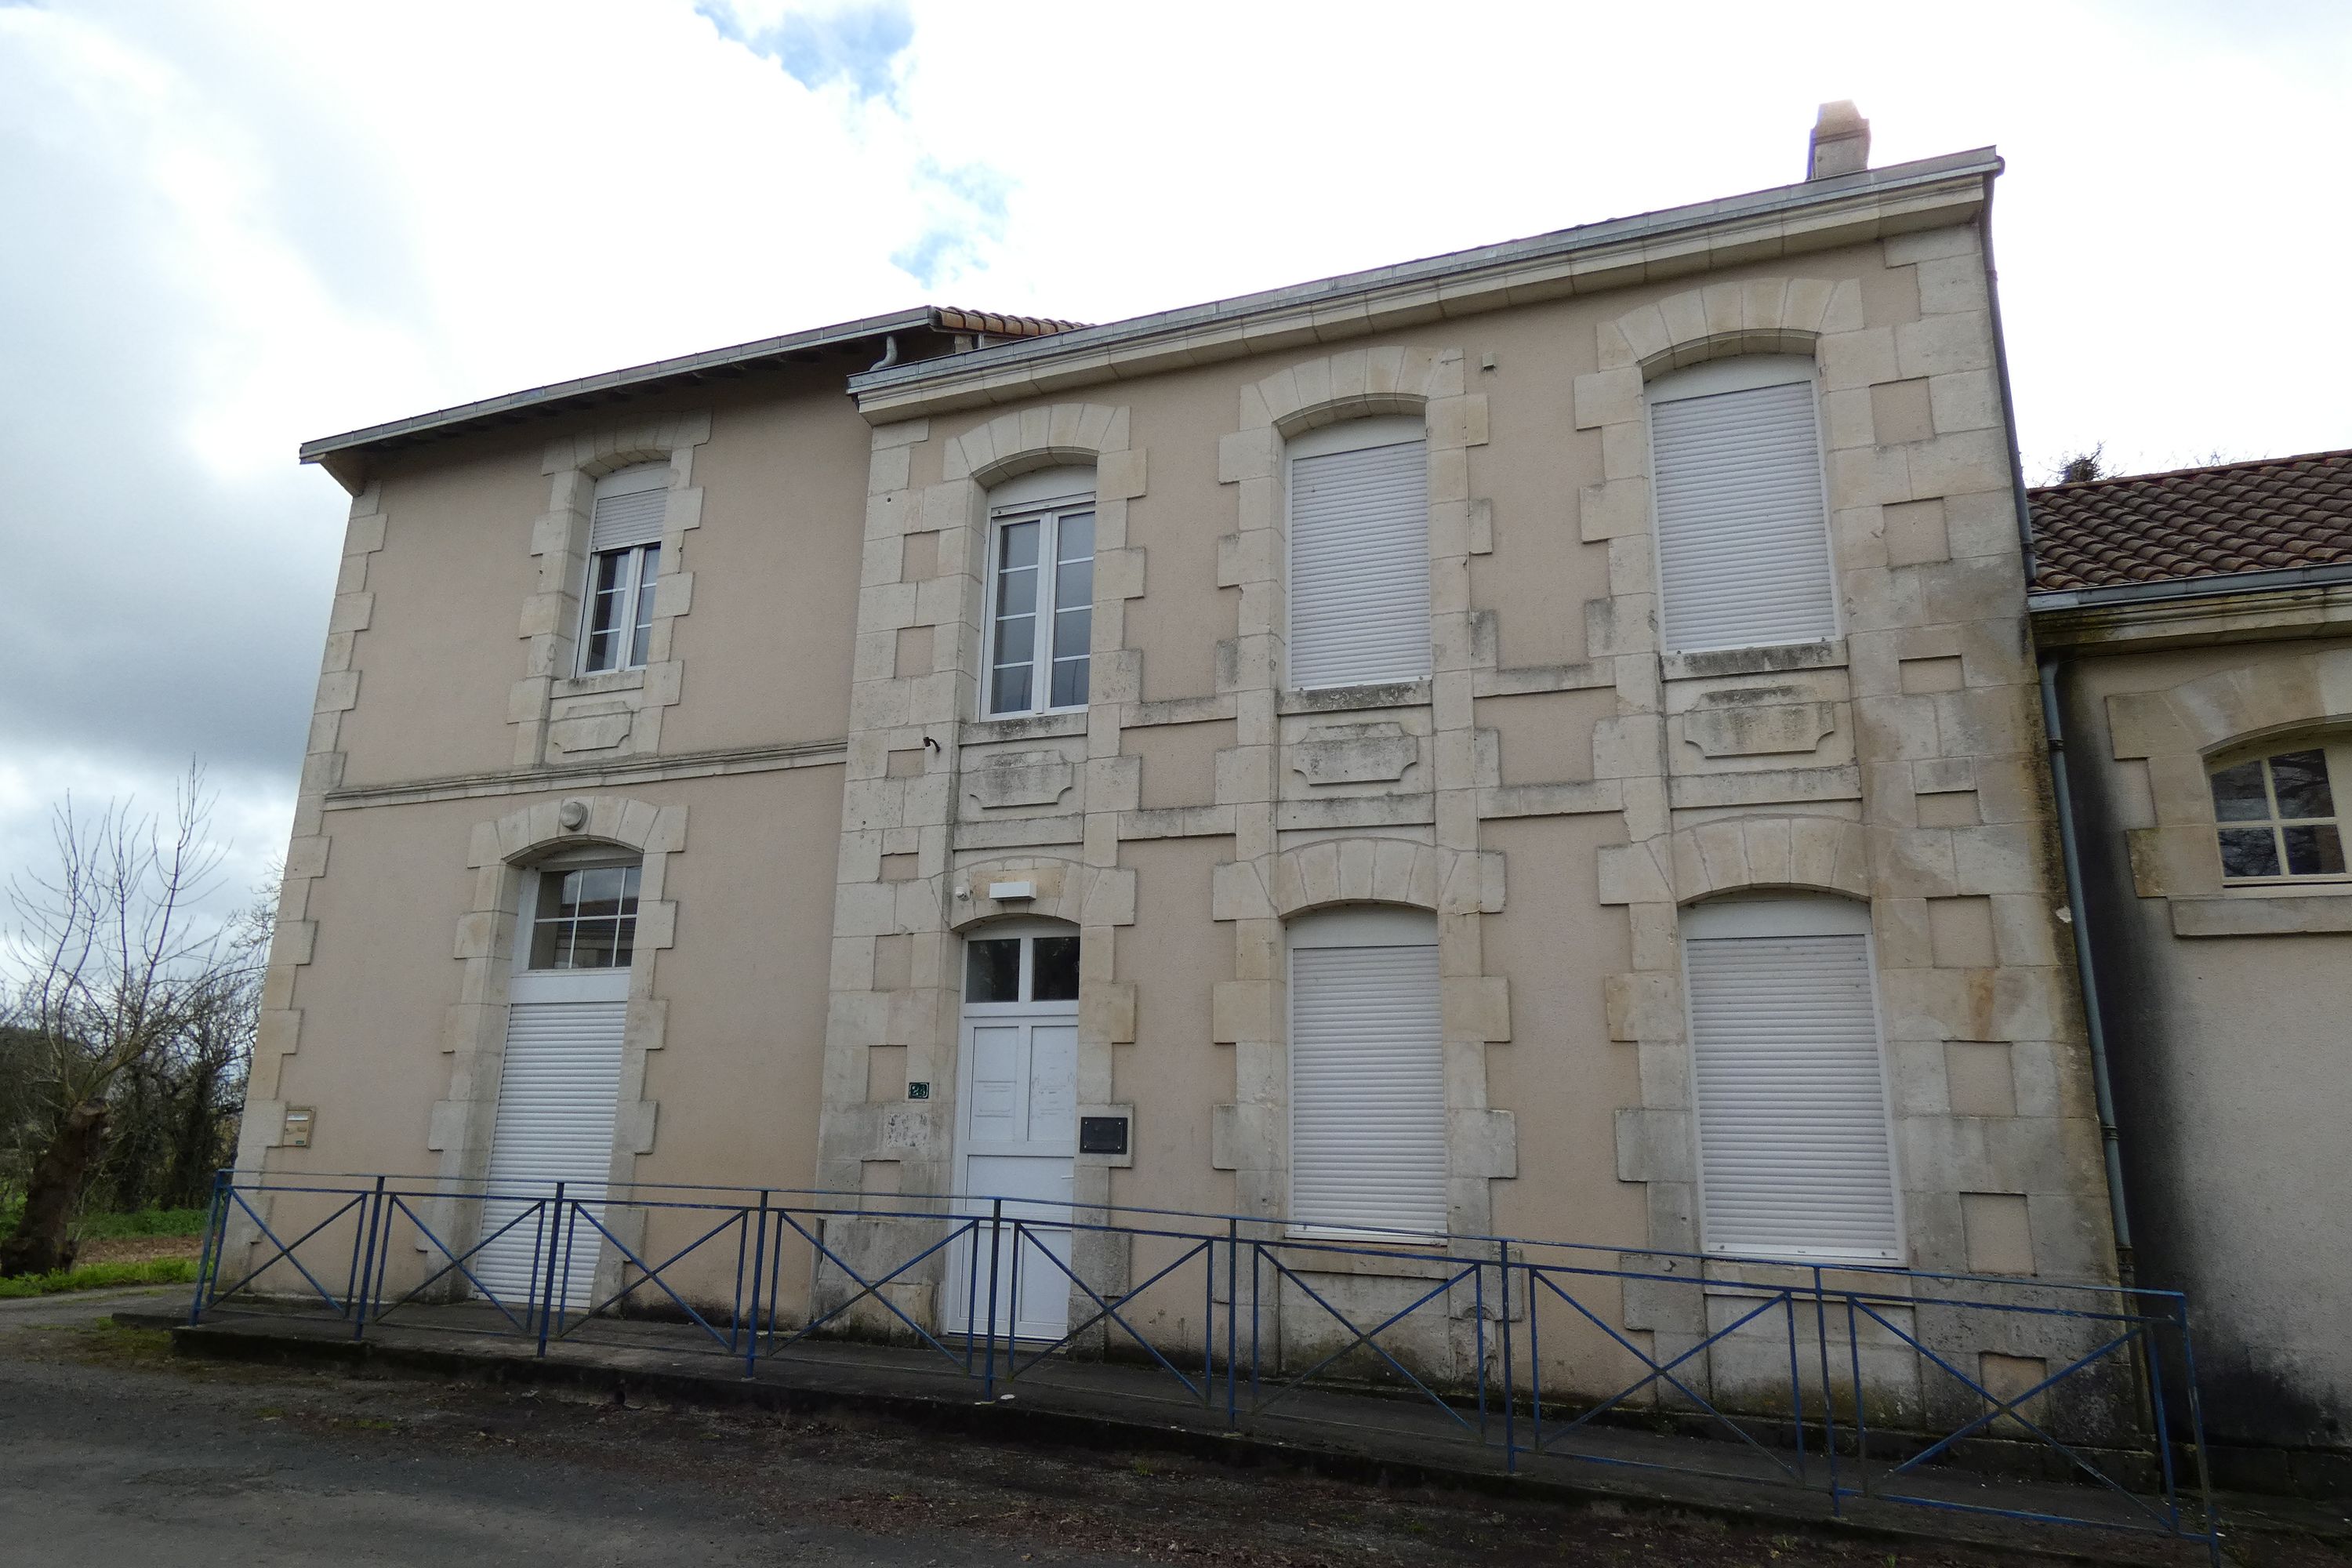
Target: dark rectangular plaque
x,y
1102,1134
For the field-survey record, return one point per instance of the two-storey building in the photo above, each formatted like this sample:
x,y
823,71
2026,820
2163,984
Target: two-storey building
x,y
1537,741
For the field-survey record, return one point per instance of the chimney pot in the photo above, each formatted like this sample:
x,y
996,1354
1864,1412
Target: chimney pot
x,y
1841,143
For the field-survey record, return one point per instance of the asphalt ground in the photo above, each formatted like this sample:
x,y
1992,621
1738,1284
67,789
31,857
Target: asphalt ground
x,y
114,1450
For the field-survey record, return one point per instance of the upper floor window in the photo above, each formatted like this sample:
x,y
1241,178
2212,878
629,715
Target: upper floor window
x,y
624,559
584,917
2277,814
1743,533
1359,553
1041,592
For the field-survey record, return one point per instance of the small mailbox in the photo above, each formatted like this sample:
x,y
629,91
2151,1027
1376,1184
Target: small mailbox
x,y
297,1134
1102,1134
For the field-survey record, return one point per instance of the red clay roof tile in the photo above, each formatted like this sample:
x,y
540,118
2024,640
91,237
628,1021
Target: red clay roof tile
x,y
2268,515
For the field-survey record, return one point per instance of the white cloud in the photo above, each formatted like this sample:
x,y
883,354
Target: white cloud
x,y
243,224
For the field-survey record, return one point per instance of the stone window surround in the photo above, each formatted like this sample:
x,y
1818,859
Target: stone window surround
x,y
2174,733
1266,883
474,1027
558,712
1785,845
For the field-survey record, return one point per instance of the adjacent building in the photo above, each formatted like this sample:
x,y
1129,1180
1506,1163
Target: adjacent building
x,y
2196,628
1537,741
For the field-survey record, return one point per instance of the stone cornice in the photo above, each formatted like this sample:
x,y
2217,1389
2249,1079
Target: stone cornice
x,y
1678,242
2136,626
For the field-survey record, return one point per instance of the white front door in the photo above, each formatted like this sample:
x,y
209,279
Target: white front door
x,y
559,1086
1017,1132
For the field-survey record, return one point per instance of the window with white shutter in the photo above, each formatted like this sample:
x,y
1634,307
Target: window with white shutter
x,y
1359,553
1795,1156
1367,1073
1743,532
625,533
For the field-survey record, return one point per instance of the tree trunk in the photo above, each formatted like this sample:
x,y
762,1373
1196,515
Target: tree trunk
x,y
41,1244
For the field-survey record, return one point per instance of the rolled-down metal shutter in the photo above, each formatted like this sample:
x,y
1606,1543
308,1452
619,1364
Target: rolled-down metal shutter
x,y
557,1092
1359,566
1743,540
629,508
1793,1150
1366,1089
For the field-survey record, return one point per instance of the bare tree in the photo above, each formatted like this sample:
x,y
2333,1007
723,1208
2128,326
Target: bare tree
x,y
115,964
2078,467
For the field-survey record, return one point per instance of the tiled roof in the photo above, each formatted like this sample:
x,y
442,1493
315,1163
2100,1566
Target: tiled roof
x,y
955,318
2270,515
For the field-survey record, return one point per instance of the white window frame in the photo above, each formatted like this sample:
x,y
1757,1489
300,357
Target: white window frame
x,y
1790,914
1026,930
637,479
1355,926
591,858
1348,436
1740,373
2338,750
1045,496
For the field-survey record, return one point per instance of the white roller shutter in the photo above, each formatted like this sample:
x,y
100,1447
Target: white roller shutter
x,y
556,1105
1743,539
1793,1150
1359,566
1366,1089
629,508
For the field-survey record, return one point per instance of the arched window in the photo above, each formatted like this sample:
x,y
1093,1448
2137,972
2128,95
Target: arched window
x,y
1040,593
623,559
1358,498
1743,532
2276,812
1789,1080
1367,1072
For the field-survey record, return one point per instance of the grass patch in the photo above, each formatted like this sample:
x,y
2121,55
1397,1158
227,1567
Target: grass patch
x,y
100,1276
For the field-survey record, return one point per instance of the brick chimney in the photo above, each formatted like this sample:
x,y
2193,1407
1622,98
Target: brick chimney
x,y
1841,143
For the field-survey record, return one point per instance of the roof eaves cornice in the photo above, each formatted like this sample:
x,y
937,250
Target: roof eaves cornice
x,y
1676,242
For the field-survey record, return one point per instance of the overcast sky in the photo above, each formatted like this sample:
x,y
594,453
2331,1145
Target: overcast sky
x,y
236,225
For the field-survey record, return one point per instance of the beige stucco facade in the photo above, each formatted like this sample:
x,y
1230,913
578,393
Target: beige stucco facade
x,y
820,810
2224,1002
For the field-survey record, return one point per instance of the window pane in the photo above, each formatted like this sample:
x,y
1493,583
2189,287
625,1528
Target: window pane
x,y
2238,793
648,569
2301,779
2315,851
593,944
596,892
1016,592
1072,630
1074,584
625,943
547,941
2249,852
1069,683
992,970
1055,970
1074,540
1008,690
1016,639
1016,545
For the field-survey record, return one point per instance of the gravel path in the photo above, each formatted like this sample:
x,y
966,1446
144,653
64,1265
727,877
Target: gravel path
x,y
114,1450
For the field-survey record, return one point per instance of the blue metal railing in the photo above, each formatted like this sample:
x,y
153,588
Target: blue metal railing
x,y
1847,1381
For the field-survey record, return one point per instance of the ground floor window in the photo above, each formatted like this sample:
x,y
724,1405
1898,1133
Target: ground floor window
x,y
1367,1073
1795,1156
